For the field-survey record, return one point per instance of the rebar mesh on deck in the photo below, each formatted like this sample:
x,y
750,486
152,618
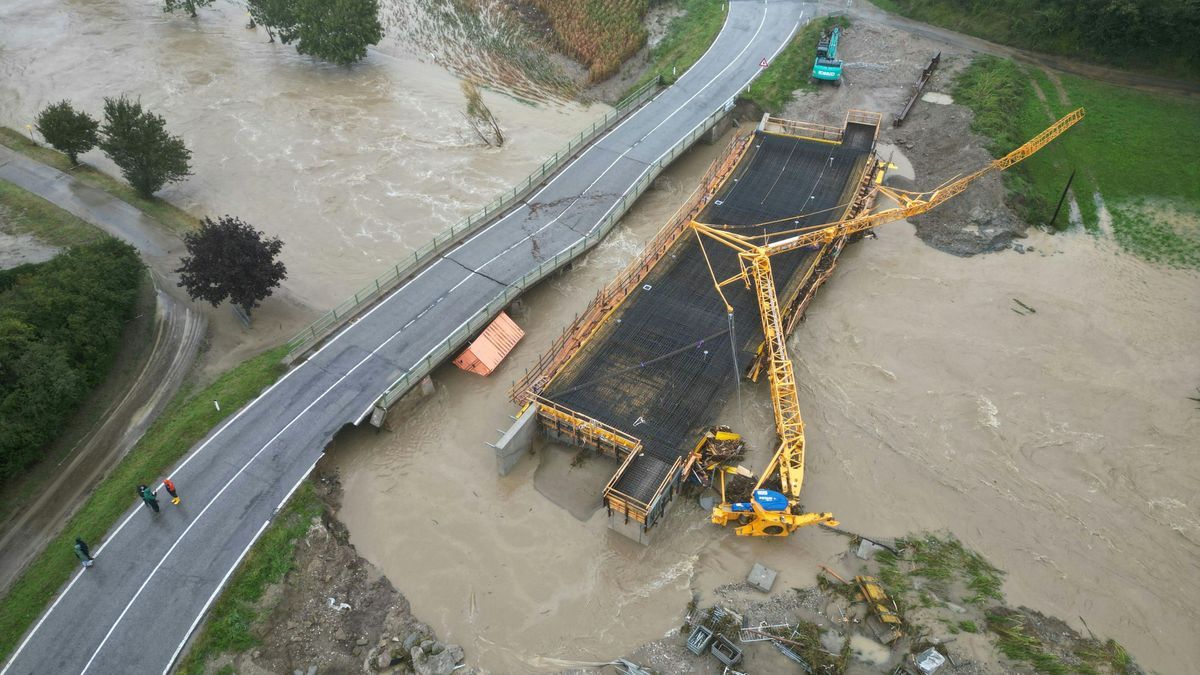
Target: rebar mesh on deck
x,y
667,361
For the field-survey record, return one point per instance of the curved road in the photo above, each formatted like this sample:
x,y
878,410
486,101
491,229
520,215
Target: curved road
x,y
178,331
156,575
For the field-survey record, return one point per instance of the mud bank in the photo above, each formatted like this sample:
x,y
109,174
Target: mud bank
x,y
1054,442
943,595
335,612
935,144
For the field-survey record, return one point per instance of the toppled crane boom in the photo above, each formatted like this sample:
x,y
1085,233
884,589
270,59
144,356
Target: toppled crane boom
x,y
778,513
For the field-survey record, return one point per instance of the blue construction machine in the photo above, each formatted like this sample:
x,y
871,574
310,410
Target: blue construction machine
x,y
828,67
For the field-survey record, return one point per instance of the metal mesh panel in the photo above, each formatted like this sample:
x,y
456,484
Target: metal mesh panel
x,y
667,361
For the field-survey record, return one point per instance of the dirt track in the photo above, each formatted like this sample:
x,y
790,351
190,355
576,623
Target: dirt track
x,y
865,10
179,329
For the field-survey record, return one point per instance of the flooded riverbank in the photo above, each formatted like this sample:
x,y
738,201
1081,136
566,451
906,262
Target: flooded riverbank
x,y
1054,442
352,167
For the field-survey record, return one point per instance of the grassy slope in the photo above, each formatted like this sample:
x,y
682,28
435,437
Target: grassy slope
x,y
27,213
601,34
1134,148
187,419
687,38
174,218
271,557
792,67
1045,26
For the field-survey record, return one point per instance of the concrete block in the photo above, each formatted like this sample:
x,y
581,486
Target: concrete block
x,y
632,529
516,442
762,577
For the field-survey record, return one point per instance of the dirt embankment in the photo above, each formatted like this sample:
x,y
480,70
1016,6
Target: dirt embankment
x,y
336,613
934,145
946,598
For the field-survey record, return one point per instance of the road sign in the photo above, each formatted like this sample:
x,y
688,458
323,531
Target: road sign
x,y
763,63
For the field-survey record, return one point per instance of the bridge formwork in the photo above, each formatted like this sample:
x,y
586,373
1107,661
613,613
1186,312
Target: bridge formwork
x,y
653,360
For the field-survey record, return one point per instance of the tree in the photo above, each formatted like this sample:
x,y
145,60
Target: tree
x,y
480,117
277,16
70,131
189,5
137,141
336,30
230,259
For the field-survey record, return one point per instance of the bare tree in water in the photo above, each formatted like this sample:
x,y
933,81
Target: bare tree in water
x,y
480,117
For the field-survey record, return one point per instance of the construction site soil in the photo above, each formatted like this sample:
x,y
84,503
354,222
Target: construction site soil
x,y
934,401
1056,442
935,142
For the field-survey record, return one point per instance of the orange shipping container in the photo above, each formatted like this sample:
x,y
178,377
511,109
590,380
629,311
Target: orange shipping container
x,y
495,342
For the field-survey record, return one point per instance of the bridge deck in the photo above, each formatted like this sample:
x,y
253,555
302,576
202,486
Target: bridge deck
x,y
665,363
111,618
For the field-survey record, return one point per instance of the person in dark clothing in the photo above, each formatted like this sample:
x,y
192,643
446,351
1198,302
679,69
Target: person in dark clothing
x,y
148,496
81,552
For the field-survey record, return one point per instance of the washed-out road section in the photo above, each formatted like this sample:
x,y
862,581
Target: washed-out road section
x,y
157,574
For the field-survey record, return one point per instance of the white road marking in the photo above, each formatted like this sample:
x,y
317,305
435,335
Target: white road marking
x,y
225,579
374,352
649,166
208,603
217,496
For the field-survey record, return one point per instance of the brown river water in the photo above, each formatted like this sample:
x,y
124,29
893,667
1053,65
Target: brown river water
x,y
352,168
1060,443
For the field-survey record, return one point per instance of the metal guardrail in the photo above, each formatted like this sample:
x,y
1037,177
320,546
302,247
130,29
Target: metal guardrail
x,y
477,322
381,285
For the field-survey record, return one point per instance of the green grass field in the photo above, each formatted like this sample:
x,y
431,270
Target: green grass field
x,y
792,68
172,217
269,560
1134,149
187,419
1142,36
687,38
26,213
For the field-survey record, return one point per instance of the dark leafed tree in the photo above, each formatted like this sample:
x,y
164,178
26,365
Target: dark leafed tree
x,y
336,30
277,16
71,132
137,141
187,5
229,259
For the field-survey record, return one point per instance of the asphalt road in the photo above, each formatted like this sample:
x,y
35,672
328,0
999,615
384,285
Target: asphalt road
x,y
178,331
156,574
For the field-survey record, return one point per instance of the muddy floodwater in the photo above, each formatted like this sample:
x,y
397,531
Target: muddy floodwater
x,y
352,168
1033,405
1058,442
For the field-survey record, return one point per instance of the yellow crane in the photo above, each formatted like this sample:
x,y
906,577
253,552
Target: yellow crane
x,y
778,513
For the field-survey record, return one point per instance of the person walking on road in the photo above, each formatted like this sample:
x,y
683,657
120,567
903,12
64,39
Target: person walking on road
x,y
148,496
81,552
171,491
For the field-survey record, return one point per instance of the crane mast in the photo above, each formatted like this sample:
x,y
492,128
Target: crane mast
x,y
778,513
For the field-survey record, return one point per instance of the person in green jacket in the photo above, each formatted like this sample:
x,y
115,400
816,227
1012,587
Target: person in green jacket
x,y
81,552
148,496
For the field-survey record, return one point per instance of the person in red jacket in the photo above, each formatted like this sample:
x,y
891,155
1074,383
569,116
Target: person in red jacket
x,y
171,491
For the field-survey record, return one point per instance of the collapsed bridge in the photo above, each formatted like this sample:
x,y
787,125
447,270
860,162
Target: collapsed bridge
x,y
654,359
